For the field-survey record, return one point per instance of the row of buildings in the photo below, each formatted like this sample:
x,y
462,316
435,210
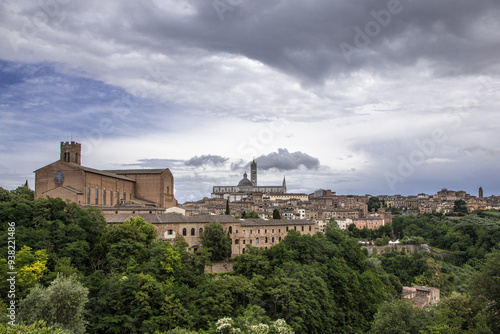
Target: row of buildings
x,y
149,193
443,201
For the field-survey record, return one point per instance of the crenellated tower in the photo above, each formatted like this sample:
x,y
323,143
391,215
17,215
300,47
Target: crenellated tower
x,y
71,152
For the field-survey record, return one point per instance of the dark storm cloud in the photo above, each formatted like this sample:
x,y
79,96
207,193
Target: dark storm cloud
x,y
284,160
305,38
204,160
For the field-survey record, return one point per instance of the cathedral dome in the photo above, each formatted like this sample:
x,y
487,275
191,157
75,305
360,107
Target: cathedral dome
x,y
245,181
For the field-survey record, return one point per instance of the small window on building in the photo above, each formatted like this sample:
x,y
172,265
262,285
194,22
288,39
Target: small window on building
x,y
237,241
265,240
111,198
192,231
287,228
272,239
243,250
251,231
265,231
279,239
244,232
184,232
103,197
250,241
230,230
257,241
309,227
88,195
295,228
236,231
302,228
244,241
96,196
200,231
273,230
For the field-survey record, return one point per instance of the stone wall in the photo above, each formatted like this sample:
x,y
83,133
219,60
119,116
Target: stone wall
x,y
219,267
399,248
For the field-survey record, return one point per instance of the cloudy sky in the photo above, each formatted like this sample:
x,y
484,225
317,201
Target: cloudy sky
x,y
377,97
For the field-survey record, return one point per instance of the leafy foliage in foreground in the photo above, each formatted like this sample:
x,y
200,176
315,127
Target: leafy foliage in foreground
x,y
316,284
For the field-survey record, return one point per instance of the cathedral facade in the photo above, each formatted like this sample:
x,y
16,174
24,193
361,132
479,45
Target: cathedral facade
x,y
69,180
246,187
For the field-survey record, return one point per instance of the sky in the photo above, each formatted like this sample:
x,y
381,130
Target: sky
x,y
360,97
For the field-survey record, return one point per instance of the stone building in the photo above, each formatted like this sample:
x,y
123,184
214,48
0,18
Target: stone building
x,y
422,296
255,232
246,187
69,180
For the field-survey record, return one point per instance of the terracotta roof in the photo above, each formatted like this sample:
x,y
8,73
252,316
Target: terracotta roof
x,y
275,222
172,217
101,172
137,171
421,300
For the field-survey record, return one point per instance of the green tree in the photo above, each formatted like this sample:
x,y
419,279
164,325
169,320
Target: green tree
x,y
60,304
4,195
374,203
276,214
228,212
23,192
217,241
459,313
252,214
460,206
38,327
397,316
382,241
31,268
486,284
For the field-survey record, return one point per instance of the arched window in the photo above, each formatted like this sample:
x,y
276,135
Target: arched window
x,y
272,240
184,232
200,231
257,241
192,231
230,230
265,240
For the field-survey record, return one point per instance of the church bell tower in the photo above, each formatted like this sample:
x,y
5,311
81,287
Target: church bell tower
x,y
253,173
71,152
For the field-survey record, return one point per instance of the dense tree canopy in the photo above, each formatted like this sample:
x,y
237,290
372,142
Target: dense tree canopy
x,y
216,241
125,280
